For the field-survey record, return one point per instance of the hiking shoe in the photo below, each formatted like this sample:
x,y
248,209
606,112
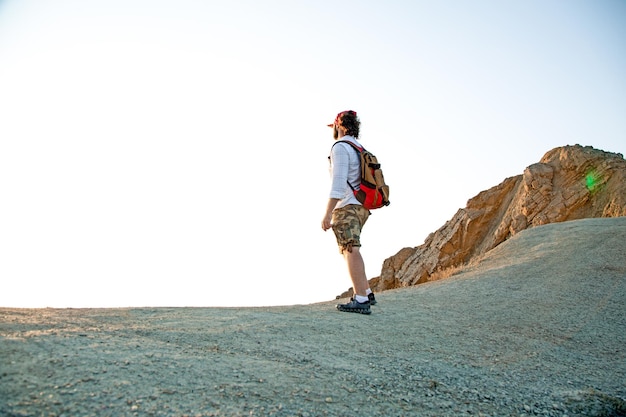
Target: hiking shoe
x,y
355,307
372,298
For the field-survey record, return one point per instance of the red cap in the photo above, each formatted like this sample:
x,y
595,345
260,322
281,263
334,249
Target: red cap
x,y
350,112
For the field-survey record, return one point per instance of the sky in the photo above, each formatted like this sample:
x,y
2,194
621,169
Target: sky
x,y
174,153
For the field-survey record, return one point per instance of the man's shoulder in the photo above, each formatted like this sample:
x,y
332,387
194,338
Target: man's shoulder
x,y
347,143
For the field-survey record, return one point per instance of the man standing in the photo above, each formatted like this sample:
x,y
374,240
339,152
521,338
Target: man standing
x,y
344,213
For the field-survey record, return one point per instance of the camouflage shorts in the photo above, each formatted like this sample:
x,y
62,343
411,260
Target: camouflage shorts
x,y
347,224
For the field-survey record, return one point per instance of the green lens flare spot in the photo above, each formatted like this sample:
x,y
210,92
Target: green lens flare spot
x,y
592,180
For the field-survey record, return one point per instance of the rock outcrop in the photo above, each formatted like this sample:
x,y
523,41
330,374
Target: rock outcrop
x,y
571,182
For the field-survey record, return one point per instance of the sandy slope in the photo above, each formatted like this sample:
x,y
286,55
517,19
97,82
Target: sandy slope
x,y
537,327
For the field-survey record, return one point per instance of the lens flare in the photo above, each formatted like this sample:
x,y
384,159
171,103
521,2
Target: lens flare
x,y
592,180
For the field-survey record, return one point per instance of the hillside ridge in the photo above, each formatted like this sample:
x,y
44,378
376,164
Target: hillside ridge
x,y
535,327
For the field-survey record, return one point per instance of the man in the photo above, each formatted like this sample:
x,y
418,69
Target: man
x,y
344,213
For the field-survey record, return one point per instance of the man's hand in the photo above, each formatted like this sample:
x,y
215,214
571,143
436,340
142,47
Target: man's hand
x,y
332,202
326,222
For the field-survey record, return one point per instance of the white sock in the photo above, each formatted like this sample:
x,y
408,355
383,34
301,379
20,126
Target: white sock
x,y
368,291
360,298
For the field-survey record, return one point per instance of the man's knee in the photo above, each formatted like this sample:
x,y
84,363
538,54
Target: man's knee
x,y
352,252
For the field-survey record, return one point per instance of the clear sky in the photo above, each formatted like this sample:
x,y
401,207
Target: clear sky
x,y
173,153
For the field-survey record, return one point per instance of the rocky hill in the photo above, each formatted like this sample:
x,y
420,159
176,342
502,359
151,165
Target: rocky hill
x,y
569,183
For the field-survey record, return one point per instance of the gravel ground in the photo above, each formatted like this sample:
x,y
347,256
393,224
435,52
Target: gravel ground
x,y
538,327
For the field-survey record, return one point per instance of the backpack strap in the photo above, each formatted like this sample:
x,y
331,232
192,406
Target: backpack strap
x,y
355,146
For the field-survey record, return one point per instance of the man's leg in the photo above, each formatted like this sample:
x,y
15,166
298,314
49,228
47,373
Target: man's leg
x,y
356,269
347,224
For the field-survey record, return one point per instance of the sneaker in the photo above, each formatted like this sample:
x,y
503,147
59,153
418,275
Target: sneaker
x,y
355,307
372,298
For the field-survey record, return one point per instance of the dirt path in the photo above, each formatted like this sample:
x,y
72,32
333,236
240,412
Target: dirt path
x,y
535,329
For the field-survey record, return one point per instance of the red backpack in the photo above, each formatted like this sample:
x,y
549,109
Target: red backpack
x,y
372,192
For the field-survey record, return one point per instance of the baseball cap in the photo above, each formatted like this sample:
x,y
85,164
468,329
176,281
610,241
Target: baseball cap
x,y
339,115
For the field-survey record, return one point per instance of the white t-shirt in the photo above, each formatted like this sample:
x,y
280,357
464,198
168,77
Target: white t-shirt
x,y
345,165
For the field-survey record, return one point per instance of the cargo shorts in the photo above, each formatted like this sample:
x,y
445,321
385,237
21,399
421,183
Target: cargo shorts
x,y
347,224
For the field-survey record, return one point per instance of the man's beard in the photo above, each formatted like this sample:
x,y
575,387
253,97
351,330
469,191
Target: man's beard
x,y
335,133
